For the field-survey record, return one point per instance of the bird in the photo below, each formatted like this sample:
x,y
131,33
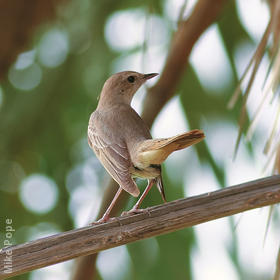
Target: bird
x,y
123,143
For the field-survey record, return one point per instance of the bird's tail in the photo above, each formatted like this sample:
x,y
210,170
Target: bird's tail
x,y
160,187
155,151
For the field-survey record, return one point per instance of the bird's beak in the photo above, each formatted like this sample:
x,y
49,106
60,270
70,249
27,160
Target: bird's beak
x,y
149,76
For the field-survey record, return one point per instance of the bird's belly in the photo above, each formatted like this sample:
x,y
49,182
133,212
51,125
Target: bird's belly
x,y
149,172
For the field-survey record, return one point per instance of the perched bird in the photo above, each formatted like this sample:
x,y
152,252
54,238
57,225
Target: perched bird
x,y
122,141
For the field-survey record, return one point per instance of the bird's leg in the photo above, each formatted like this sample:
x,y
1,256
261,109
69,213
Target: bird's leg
x,y
135,209
149,186
106,215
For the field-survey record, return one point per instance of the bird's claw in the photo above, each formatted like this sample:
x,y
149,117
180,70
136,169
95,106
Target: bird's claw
x,y
103,220
134,211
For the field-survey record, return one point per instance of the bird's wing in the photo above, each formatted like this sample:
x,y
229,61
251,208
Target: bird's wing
x,y
114,155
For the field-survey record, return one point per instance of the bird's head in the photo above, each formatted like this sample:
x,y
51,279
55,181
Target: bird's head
x,y
121,87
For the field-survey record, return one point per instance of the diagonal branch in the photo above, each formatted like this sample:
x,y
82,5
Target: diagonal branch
x,y
188,33
156,220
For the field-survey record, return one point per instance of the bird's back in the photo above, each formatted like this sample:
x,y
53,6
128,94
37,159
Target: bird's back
x,y
121,122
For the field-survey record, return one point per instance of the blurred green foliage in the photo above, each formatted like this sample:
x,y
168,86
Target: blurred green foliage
x,y
39,128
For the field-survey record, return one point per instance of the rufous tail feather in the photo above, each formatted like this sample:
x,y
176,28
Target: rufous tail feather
x,y
155,151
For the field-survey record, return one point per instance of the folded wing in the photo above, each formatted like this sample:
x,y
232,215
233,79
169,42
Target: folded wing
x,y
114,156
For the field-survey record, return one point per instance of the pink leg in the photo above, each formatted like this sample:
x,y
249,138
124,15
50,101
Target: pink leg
x,y
106,217
149,186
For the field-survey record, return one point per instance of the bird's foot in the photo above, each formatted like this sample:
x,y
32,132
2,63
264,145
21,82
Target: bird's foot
x,y
135,211
103,220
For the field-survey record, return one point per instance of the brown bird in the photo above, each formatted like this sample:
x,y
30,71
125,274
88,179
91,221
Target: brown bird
x,y
122,141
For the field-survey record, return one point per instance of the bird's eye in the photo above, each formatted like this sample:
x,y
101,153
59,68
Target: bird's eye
x,y
131,79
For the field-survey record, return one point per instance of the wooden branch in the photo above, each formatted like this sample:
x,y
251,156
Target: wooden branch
x,y
156,220
189,31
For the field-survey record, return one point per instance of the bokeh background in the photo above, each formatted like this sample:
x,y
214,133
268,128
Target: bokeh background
x,y
50,181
